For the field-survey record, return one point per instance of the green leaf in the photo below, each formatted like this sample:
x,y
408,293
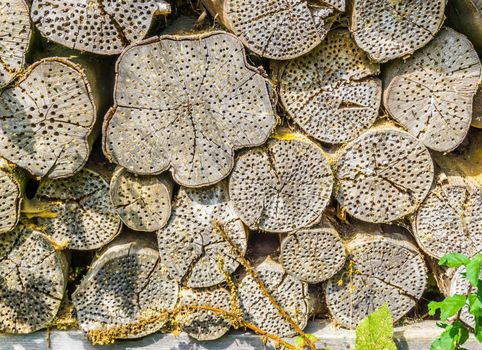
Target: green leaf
x,y
459,332
375,332
445,341
312,337
475,305
478,328
448,307
453,260
473,270
299,342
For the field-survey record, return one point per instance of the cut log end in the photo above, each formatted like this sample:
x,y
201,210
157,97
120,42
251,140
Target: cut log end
x,y
11,193
291,294
142,202
282,186
126,289
33,277
380,268
431,93
313,254
46,118
83,215
329,92
383,175
395,28
193,244
196,100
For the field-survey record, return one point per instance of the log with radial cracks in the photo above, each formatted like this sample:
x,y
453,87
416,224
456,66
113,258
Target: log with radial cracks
x,y
100,26
450,218
313,254
46,118
82,215
276,29
431,93
204,324
33,277
12,188
15,33
330,92
283,185
142,202
290,294
193,242
395,28
382,267
124,289
185,103
383,175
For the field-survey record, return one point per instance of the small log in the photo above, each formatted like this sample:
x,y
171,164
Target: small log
x,y
276,29
15,34
46,118
204,324
126,289
283,185
383,266
383,175
185,103
477,109
33,278
329,92
395,28
193,242
313,254
142,202
466,17
82,215
450,218
12,189
104,27
431,93
291,294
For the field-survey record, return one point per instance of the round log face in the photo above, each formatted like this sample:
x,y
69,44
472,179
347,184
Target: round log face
x,y
186,103
282,186
313,255
84,217
32,281
191,244
383,175
431,93
15,32
290,293
450,219
329,92
203,324
391,29
460,285
10,199
99,26
45,119
378,270
142,202
126,285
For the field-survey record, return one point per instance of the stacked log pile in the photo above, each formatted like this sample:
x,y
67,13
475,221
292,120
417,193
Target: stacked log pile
x,y
261,119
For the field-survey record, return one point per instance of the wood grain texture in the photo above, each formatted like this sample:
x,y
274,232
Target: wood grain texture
x,y
12,189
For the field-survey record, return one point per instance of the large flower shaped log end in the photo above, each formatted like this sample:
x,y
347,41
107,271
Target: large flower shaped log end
x,y
185,104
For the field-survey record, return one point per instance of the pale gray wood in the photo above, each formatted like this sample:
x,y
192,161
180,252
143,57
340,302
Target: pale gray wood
x,y
12,189
390,29
101,26
185,103
15,33
431,93
46,118
331,92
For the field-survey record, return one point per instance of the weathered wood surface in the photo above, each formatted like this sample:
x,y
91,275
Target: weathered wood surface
x,y
331,92
383,266
12,188
193,244
185,103
391,29
283,185
46,118
431,92
142,202
278,30
466,17
33,278
101,26
124,287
